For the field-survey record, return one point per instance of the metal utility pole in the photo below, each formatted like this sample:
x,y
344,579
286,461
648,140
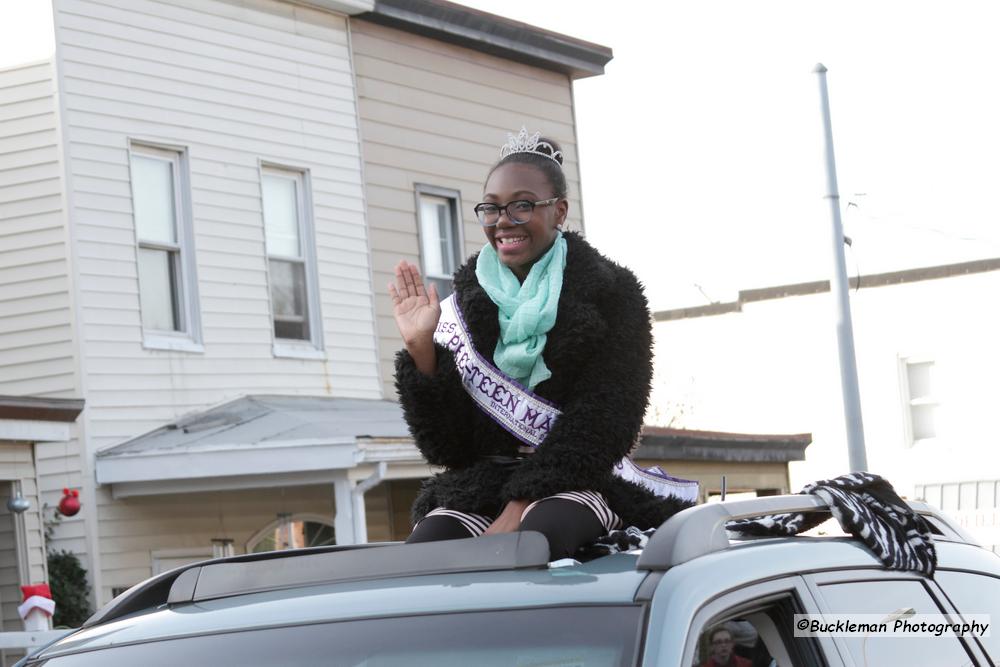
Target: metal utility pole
x,y
839,287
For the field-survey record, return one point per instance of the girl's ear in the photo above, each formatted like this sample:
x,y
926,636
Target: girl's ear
x,y
562,210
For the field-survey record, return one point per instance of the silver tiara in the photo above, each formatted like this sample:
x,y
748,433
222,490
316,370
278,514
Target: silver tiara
x,y
522,143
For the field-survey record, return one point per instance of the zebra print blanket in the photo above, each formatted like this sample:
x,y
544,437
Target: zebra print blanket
x,y
868,508
614,542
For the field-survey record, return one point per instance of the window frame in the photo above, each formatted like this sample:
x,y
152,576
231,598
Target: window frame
x,y
952,601
908,402
454,198
750,599
314,346
184,279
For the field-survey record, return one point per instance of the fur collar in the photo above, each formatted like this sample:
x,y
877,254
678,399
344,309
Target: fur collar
x,y
588,282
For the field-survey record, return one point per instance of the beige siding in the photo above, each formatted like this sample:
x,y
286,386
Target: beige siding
x,y
17,466
435,114
387,509
133,529
378,519
10,594
36,336
234,84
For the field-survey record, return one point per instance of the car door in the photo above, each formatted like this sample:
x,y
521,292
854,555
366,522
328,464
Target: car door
x,y
882,596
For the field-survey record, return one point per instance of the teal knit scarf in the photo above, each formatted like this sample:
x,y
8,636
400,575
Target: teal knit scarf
x,y
527,310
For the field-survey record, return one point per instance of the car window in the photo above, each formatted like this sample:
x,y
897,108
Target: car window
x,y
974,594
604,636
887,598
757,636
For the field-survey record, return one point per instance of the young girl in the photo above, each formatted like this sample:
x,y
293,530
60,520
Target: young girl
x,y
530,385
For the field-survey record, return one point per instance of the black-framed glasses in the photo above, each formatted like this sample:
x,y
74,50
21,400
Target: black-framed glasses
x,y
518,211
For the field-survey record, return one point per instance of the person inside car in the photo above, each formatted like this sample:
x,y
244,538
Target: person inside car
x,y
722,650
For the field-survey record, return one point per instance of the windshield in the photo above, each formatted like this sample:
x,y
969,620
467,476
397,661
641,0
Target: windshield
x,y
605,636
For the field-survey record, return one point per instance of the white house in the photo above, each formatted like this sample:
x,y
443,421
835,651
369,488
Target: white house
x,y
195,196
926,354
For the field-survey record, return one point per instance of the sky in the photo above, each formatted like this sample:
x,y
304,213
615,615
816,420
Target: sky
x,y
701,145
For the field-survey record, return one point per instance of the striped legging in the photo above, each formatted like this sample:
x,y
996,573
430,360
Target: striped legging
x,y
568,520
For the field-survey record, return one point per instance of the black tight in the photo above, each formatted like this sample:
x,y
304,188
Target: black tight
x,y
434,528
566,524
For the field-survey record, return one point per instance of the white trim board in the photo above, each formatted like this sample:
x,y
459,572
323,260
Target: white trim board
x,y
27,430
229,483
250,460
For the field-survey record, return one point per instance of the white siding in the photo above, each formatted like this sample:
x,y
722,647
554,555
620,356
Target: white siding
x,y
233,84
37,346
436,114
36,336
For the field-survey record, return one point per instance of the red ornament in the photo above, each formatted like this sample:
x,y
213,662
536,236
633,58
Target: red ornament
x,y
70,503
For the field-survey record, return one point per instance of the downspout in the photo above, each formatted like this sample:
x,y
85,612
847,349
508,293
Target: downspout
x,y
358,501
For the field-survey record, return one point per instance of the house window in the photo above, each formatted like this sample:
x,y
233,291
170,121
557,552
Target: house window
x,y
288,233
920,400
440,239
165,256
293,532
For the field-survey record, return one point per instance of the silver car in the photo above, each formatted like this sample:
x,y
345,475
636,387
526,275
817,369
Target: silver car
x,y
693,596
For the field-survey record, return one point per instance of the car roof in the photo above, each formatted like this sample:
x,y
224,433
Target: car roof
x,y
612,580
746,561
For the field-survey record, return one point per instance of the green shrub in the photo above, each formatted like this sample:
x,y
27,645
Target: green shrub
x,y
68,581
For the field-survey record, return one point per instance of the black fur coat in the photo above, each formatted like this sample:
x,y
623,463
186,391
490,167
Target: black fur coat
x,y
599,352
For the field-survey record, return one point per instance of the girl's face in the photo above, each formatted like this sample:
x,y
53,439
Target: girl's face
x,y
520,245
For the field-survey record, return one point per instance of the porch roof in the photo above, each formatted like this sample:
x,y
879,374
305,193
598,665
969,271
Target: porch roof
x,y
37,419
261,440
691,445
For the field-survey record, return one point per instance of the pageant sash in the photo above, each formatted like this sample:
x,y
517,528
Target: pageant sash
x,y
524,414
657,481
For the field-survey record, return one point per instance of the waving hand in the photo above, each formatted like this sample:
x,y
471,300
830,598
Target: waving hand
x,y
416,310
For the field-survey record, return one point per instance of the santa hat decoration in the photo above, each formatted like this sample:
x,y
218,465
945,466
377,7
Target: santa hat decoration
x,y
37,607
70,503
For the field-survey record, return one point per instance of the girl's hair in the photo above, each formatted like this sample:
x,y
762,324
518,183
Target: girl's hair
x,y
550,166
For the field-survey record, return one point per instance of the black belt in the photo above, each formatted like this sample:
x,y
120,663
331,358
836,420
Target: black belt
x,y
506,461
